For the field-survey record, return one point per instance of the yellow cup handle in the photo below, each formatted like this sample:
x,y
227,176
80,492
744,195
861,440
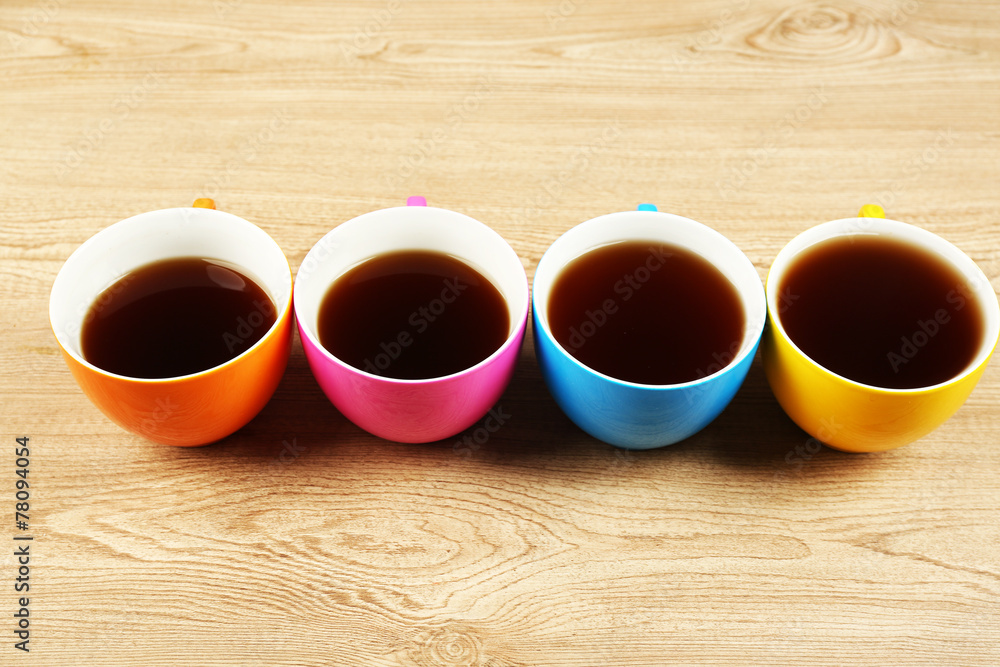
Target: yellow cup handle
x,y
869,211
205,202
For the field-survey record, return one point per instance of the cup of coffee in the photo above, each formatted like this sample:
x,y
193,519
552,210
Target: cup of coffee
x,y
878,331
176,323
645,325
412,319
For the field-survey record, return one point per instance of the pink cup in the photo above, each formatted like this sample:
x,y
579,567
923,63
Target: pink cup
x,y
411,410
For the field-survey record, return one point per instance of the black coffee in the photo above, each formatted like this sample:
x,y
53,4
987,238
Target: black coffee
x,y
175,317
647,312
881,312
413,314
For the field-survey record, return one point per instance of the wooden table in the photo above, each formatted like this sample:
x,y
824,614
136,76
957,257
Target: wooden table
x,y
302,540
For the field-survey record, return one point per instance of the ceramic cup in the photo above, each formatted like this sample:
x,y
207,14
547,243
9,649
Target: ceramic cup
x,y
411,410
193,409
627,414
849,415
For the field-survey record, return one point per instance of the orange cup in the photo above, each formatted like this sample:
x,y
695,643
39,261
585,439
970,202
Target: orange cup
x,y
193,409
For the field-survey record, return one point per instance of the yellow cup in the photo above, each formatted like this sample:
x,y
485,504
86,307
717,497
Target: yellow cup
x,y
192,409
849,415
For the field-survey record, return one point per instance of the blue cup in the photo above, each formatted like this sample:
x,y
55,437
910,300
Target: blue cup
x,y
628,414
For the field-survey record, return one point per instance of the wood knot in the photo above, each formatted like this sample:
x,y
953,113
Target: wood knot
x,y
450,646
824,31
823,22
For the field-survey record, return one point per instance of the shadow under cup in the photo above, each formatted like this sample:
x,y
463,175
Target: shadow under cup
x,y
201,407
422,410
627,414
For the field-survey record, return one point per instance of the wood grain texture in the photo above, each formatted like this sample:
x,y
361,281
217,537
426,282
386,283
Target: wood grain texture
x,y
301,540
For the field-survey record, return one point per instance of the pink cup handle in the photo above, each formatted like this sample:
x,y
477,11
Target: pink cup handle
x,y
416,201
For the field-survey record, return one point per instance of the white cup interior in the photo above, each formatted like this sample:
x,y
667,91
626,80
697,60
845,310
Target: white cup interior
x,y
976,281
148,237
408,228
658,227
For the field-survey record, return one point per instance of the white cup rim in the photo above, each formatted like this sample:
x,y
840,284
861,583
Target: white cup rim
x,y
518,318
81,256
754,321
925,239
